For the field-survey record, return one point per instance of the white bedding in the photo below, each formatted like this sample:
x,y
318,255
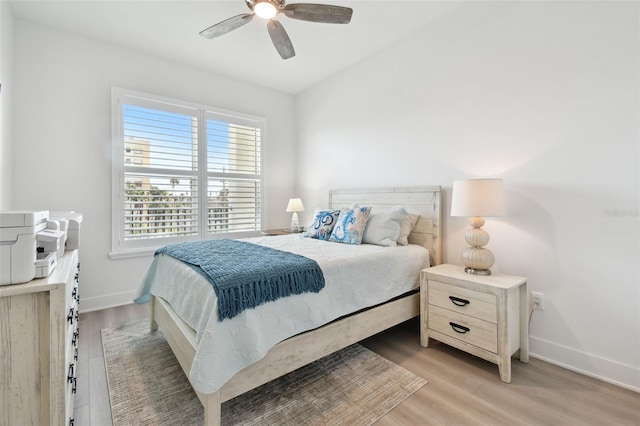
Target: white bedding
x,y
356,277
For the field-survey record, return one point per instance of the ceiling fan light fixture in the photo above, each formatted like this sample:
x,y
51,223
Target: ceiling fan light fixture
x,y
265,9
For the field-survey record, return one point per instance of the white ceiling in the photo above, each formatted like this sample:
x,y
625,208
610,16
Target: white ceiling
x,y
170,29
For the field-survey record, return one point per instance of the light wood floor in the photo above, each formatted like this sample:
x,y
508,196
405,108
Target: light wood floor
x,y
462,389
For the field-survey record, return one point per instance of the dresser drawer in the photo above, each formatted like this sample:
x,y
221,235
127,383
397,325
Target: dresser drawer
x,y
72,295
462,300
70,394
71,350
474,331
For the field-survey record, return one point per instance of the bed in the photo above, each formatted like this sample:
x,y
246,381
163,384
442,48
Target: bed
x,y
197,347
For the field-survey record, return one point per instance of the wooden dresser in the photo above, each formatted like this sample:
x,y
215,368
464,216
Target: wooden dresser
x,y
39,347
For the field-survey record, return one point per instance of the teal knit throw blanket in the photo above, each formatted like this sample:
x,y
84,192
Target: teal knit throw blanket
x,y
246,275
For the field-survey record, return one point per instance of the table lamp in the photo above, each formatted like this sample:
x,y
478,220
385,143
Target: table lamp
x,y
295,205
477,199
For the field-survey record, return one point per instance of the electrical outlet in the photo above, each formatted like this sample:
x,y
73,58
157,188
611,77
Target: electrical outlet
x,y
537,300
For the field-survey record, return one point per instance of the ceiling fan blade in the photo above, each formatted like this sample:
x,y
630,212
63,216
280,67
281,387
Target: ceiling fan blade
x,y
324,13
280,39
227,25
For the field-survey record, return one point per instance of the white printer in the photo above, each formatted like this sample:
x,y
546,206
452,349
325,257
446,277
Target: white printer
x,y
18,230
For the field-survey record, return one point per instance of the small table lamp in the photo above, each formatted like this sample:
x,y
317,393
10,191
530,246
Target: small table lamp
x,y
477,198
295,205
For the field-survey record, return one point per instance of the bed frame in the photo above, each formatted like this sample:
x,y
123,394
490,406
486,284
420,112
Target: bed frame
x,y
307,347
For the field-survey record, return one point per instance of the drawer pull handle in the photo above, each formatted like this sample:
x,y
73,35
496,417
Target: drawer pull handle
x,y
458,302
74,387
70,374
70,316
459,328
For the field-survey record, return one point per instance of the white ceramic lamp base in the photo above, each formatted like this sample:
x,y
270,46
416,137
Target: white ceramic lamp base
x,y
476,258
295,225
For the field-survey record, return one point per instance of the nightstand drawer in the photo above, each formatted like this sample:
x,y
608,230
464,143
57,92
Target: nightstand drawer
x,y
477,332
462,300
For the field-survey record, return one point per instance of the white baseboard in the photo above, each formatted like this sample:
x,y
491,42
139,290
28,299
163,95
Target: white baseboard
x,y
89,304
622,375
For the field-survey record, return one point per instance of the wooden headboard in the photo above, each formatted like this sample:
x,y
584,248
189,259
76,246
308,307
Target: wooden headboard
x,y
422,200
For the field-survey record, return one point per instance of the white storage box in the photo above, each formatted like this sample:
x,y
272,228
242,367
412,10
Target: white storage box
x,y
51,240
18,231
45,263
59,225
73,227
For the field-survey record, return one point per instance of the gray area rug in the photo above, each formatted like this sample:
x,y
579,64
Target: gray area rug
x,y
354,386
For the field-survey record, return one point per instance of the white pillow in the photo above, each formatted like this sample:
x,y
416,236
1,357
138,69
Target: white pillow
x,y
405,228
383,228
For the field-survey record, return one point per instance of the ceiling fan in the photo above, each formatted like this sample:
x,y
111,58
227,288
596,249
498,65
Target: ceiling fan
x,y
268,9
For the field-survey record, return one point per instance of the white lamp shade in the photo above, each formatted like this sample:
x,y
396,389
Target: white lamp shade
x,y
295,205
477,198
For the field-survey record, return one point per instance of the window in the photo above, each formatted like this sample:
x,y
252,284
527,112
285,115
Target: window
x,y
182,172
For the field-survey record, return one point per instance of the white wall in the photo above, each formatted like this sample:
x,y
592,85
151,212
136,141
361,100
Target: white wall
x,y
6,116
63,131
542,94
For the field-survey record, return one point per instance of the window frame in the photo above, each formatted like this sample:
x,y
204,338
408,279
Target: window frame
x,y
120,248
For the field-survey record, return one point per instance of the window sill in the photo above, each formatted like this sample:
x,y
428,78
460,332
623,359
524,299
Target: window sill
x,y
132,253
149,251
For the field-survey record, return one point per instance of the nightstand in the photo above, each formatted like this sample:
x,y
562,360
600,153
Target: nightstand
x,y
483,315
279,232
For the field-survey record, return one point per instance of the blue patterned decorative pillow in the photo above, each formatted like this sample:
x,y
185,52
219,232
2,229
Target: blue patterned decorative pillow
x,y
322,225
350,226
